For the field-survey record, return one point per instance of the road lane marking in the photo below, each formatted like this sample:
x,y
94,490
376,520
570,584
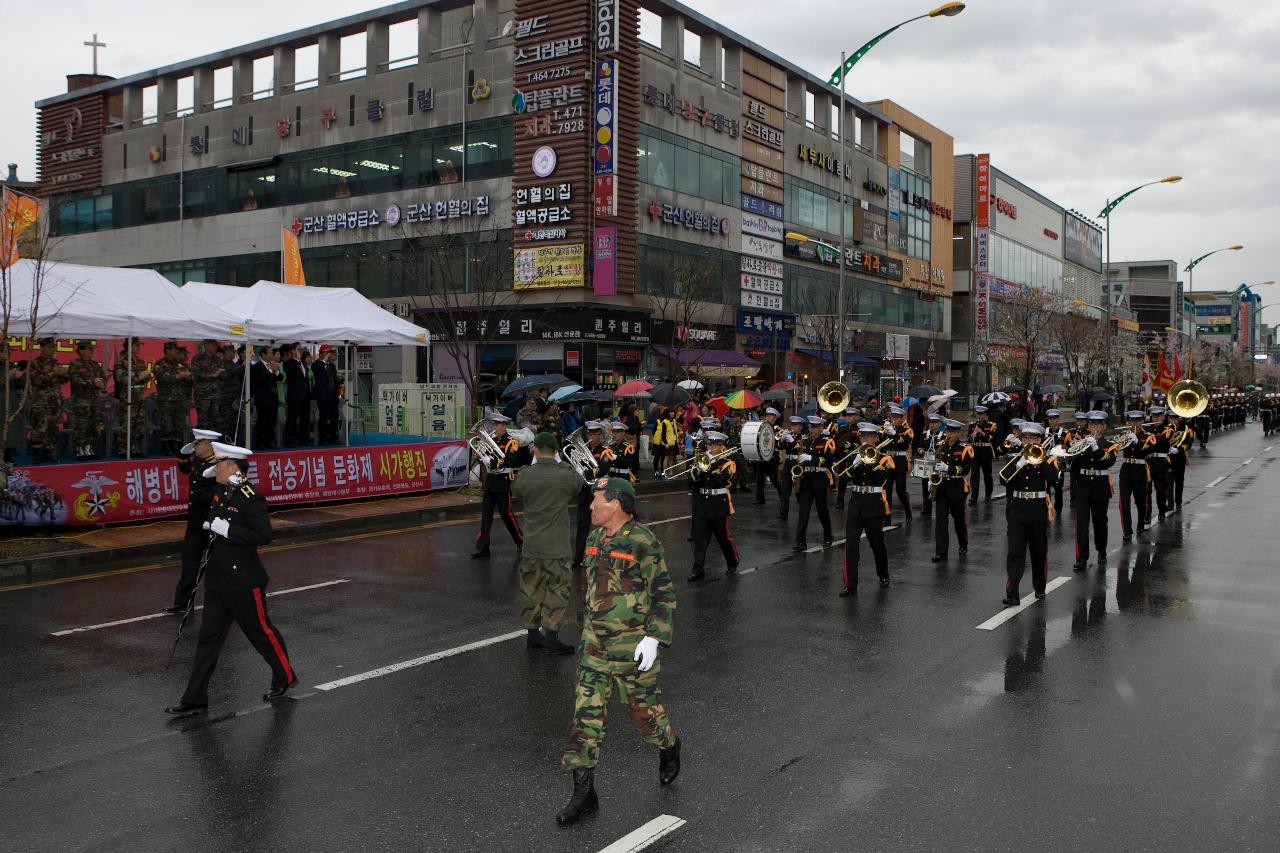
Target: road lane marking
x,y
1212,483
644,836
1246,462
668,520
838,542
431,658
67,631
1009,612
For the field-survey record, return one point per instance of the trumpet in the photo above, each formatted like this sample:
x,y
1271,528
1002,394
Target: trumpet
x,y
1033,454
863,454
834,397
578,453
485,447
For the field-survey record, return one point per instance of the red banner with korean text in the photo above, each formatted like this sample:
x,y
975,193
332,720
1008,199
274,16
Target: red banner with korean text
x,y
114,491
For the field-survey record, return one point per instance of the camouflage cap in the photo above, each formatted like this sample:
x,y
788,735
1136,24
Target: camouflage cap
x,y
615,484
545,441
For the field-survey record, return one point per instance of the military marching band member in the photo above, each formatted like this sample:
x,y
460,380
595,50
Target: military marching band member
x,y
929,440
1266,415
497,487
193,459
1091,490
626,461
705,426
711,492
981,436
627,610
814,455
869,484
845,439
1055,436
603,463
769,470
954,462
1177,461
235,582
1158,464
1134,477
1028,514
1202,424
788,449
904,438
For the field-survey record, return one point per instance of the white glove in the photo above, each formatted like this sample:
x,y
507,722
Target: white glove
x,y
1173,451
805,457
206,525
941,467
1018,465
646,654
1058,452
1015,441
1093,443
220,526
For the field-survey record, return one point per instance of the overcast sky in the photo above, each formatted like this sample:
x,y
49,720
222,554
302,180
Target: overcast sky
x,y
1080,100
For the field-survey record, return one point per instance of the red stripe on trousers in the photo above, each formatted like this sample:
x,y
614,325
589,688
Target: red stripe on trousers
x,y
734,545
271,635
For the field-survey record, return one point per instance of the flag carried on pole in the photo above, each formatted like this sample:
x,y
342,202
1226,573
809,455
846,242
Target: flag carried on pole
x,y
20,212
1146,378
1164,379
290,259
1177,367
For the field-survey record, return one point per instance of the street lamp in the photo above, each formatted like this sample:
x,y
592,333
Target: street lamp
x,y
838,77
1191,267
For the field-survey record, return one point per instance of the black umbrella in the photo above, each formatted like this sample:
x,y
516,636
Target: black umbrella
x,y
1013,389
547,380
583,396
668,394
1100,396
1055,389
860,392
924,392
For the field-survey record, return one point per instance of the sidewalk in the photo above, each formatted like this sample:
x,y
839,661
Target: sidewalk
x,y
42,555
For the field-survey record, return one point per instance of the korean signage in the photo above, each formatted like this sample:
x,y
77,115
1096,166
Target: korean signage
x,y
762,226
767,301
981,307
393,215
1082,243
70,143
604,275
761,207
108,492
427,409
933,207
855,260
981,250
761,284
814,157
759,266
560,265
982,190
689,111
542,205
765,323
606,128
696,220
761,248
761,190
567,324
763,174
894,195
1008,208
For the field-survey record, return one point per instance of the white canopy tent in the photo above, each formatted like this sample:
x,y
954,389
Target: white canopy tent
x,y
72,300
283,312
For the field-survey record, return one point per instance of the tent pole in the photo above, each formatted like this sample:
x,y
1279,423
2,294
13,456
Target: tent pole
x,y
348,385
128,417
244,402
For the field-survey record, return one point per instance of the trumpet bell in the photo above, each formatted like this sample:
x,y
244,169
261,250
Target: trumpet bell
x,y
1188,398
1034,454
834,397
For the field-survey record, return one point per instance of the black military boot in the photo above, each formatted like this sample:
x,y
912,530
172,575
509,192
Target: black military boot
x,y
669,763
534,639
696,574
583,801
550,641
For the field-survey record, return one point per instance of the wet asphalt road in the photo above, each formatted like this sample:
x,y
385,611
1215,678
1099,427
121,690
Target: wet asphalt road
x,y
1137,709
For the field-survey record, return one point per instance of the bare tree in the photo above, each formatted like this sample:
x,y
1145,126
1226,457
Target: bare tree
x,y
1024,323
680,299
20,302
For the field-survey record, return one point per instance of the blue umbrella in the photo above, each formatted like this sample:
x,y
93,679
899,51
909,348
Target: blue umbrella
x,y
560,393
810,408
524,383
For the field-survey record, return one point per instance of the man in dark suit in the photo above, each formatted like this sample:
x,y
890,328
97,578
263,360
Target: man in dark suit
x,y
297,398
266,398
324,390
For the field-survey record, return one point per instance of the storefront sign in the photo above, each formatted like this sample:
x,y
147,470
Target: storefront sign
x,y
753,129
982,249
769,302
697,220
606,132
562,324
762,226
814,157
1008,208
874,188
862,261
761,248
761,112
546,234
764,323
931,206
561,265
548,98
393,215
1082,243
762,207
69,136
1051,234
893,195
555,49
764,156
109,492
763,174
981,307
542,205
759,266
604,273
606,26
573,358
689,111
761,284
768,192
982,190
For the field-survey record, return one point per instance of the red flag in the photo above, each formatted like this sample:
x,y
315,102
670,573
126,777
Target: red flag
x,y
1164,379
1177,368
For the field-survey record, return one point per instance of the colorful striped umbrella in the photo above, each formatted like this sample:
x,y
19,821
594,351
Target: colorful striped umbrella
x,y
743,399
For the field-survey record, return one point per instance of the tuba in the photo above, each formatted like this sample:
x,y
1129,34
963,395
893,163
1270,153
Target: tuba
x,y
578,454
483,445
1188,399
834,397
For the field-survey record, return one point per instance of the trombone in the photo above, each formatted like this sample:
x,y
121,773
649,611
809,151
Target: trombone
x,y
863,454
696,465
1034,454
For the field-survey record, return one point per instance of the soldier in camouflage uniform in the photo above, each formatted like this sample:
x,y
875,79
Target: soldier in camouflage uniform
x,y
132,405
46,376
88,381
628,605
206,371
173,398
231,388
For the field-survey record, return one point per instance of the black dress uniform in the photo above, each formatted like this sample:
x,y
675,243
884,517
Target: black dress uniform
x,y
787,450
1134,478
1090,495
712,495
626,462
981,436
950,498
200,494
899,449
1029,512
1057,437
604,461
497,494
769,470
868,509
814,483
1158,464
1177,467
235,592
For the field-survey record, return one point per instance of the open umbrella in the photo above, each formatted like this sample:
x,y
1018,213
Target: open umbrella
x,y
784,385
1100,396
994,398
546,380
779,394
924,391
560,393
1055,389
744,399
860,392
690,385
584,396
719,406
635,386
668,394
1013,389
810,408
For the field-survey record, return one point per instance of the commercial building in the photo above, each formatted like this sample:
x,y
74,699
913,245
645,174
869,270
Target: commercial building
x,y
1229,318
581,186
1152,291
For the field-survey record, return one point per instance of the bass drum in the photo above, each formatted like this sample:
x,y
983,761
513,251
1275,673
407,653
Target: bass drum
x,y
758,441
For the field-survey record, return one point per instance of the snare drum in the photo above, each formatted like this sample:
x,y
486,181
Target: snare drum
x,y
923,467
758,441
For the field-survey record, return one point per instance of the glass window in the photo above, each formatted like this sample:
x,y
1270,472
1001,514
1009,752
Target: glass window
x,y
663,167
686,169
102,212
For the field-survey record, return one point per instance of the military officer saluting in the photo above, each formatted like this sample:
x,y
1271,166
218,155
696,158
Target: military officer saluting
x,y
1091,491
627,610
954,462
235,582
714,502
1030,510
869,484
193,459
